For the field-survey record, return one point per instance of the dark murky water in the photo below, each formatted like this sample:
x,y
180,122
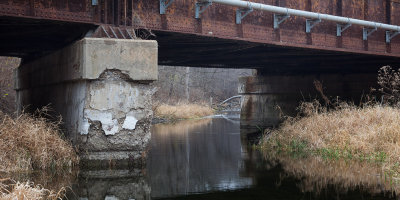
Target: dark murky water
x,y
206,159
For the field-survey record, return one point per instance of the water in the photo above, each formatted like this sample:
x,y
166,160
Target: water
x,y
207,159
196,157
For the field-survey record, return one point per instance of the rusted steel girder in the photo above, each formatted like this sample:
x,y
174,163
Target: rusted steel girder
x,y
63,10
220,21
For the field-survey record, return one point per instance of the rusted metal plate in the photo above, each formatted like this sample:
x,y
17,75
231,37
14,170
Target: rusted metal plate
x,y
219,21
63,10
324,34
10,9
289,32
395,19
376,12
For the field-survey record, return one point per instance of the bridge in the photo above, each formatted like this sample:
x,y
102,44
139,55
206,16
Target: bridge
x,y
79,54
214,39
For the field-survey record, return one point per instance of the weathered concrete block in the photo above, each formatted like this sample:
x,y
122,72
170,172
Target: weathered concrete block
x,y
88,58
137,58
102,89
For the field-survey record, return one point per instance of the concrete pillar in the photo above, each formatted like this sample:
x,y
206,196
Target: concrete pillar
x,y
102,89
269,97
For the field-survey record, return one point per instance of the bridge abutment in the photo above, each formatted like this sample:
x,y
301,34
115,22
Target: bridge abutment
x,y
267,98
102,89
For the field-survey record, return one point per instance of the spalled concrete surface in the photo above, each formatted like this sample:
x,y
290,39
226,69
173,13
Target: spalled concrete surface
x,y
102,89
267,98
117,116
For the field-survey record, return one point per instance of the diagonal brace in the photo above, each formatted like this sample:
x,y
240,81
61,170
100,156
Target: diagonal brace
x,y
368,31
164,4
278,19
310,23
105,31
242,13
390,35
340,28
201,7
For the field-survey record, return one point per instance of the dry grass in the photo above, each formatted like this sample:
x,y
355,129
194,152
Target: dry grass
x,y
28,143
369,133
182,111
349,147
21,191
47,179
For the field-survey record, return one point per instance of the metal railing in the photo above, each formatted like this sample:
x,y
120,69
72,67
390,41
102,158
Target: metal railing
x,y
281,14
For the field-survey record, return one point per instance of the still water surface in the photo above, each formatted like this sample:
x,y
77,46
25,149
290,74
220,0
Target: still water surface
x,y
206,159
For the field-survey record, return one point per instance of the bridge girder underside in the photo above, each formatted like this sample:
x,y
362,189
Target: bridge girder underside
x,y
199,51
29,38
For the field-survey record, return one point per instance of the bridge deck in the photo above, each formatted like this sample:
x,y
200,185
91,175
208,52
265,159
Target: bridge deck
x,y
215,39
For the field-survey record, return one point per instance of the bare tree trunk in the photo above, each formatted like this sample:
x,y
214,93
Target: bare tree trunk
x,y
187,83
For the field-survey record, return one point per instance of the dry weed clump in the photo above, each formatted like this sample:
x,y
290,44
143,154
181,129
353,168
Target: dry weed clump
x,y
389,85
29,142
182,111
369,133
21,191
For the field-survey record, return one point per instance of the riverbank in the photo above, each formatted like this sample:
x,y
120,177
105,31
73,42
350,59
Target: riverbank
x,y
33,143
367,134
165,113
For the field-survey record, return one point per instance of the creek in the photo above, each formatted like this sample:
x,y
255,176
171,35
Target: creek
x,y
208,159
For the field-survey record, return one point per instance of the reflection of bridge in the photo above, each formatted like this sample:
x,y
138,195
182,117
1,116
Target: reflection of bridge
x,y
100,86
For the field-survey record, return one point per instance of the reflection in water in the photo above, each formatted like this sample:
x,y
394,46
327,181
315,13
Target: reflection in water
x,y
195,157
112,185
318,174
204,159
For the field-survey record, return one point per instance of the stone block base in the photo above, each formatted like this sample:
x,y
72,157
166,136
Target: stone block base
x,y
102,89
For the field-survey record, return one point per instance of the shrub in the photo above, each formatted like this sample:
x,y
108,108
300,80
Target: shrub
x,y
389,83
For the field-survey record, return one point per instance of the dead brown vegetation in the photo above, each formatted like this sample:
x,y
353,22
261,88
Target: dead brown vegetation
x,y
182,111
369,130
389,85
349,147
11,190
32,142
338,129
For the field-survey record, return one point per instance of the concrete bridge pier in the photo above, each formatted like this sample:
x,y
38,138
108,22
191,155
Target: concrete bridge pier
x,y
268,97
102,89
